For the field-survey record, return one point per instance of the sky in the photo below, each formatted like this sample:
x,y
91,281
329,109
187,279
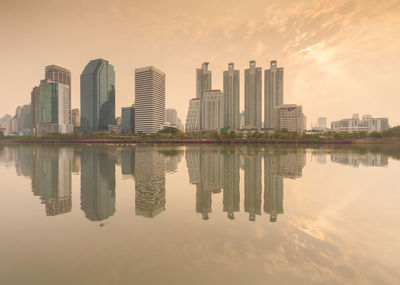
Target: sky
x,y
340,57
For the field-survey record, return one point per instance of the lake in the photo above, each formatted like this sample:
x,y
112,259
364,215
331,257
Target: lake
x,y
199,214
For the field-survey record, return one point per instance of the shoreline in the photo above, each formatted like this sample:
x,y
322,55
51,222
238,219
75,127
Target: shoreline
x,y
128,141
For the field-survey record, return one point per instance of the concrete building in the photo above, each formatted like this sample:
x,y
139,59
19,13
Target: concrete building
x,y
203,80
58,74
231,97
128,119
212,110
367,124
97,96
252,95
149,99
34,96
290,117
273,92
53,109
322,123
76,117
171,117
193,115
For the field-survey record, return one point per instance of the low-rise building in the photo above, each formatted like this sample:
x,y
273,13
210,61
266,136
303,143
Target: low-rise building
x,y
290,117
366,124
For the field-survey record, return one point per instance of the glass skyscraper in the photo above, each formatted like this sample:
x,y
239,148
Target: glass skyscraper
x,y
97,96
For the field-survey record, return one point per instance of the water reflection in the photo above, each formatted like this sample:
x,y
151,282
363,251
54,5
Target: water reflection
x,y
214,170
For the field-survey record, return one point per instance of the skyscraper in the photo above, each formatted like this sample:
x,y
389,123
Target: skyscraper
x,y
231,98
193,115
97,96
252,95
128,119
203,80
149,99
212,110
273,88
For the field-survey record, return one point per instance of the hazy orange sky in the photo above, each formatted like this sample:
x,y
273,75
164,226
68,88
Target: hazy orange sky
x,y
340,57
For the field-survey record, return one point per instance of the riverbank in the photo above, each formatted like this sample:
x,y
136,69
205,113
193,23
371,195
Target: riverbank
x,y
140,140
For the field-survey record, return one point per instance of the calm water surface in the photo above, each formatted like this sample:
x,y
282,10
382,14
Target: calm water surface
x,y
199,215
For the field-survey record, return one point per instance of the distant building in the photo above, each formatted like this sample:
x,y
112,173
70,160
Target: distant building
x,y
76,117
252,95
34,96
367,124
242,120
212,110
322,123
171,117
231,97
193,115
97,96
290,117
128,119
149,99
273,88
203,80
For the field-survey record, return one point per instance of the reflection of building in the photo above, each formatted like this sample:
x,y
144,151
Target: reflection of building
x,y
128,161
171,158
205,166
357,159
231,97
252,185
273,189
52,178
231,194
273,89
149,182
97,183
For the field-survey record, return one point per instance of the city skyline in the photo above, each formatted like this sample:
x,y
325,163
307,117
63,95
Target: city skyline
x,y
327,55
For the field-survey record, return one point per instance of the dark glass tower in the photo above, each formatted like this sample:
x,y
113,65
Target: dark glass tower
x,y
97,96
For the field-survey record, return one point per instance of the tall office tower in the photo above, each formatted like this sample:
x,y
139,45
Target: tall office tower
x,y
193,115
212,110
149,99
231,194
252,95
149,182
61,75
273,89
97,184
34,96
203,80
128,119
76,117
171,117
252,185
231,98
97,96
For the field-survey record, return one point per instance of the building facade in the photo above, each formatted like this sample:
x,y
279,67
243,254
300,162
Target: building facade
x,y
203,80
252,95
128,119
193,115
366,124
212,110
290,117
97,96
76,117
149,99
273,92
171,117
231,97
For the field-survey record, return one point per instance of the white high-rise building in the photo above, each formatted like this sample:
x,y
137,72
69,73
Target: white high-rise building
x,y
231,98
252,95
212,110
193,115
273,88
149,99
